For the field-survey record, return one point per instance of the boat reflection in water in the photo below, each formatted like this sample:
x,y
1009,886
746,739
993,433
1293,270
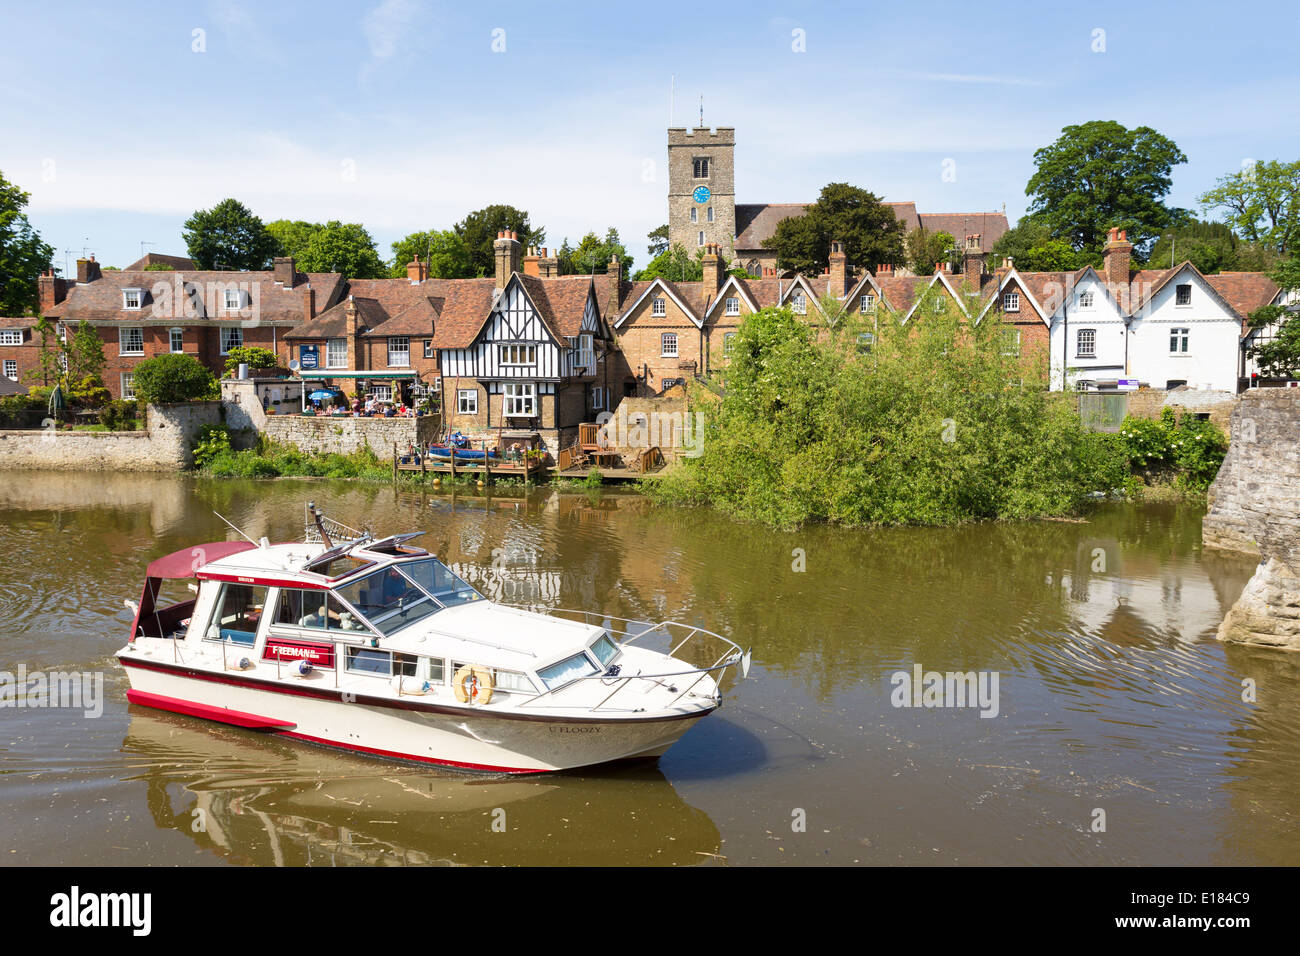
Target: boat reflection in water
x,y
253,799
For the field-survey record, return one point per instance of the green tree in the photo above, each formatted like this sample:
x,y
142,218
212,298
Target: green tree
x,y
344,247
926,249
1101,175
867,227
443,250
253,356
1261,202
674,265
478,230
1210,246
23,254
658,240
293,235
49,368
1280,357
173,378
593,253
84,354
228,236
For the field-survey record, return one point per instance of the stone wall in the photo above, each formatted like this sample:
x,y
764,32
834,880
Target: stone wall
x,y
1255,508
163,445
346,434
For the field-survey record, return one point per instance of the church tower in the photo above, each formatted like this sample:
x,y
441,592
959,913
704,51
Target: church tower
x,y
702,188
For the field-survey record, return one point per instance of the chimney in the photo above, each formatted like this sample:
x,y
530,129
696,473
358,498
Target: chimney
x,y
885,269
284,270
839,270
548,266
712,269
87,269
506,250
417,271
532,262
614,267
308,303
1115,259
973,261
51,290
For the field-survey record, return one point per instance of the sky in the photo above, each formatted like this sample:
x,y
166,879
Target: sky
x,y
122,119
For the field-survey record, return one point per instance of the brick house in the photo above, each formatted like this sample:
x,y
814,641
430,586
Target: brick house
x,y
20,354
140,314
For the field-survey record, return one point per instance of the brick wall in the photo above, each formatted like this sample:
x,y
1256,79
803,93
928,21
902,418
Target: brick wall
x,y
640,338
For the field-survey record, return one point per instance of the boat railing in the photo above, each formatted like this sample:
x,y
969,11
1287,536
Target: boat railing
x,y
678,634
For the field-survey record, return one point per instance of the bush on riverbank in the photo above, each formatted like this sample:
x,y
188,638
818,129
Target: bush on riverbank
x,y
874,421
1183,453
214,456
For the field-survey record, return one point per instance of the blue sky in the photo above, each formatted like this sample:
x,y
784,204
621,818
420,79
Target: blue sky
x,y
400,115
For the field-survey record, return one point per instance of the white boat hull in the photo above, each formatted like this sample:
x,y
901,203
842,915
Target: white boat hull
x,y
410,728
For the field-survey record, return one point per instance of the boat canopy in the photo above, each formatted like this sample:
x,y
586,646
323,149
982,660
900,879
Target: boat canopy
x,y
183,563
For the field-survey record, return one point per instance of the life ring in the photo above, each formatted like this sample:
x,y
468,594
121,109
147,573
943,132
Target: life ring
x,y
473,685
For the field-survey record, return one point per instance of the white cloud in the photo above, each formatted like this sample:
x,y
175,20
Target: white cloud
x,y
388,24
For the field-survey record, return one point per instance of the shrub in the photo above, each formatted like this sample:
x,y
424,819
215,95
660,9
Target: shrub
x,y
120,415
174,378
212,442
89,393
257,359
1187,450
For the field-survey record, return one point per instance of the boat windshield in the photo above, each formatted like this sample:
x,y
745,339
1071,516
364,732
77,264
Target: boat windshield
x,y
436,578
571,668
388,600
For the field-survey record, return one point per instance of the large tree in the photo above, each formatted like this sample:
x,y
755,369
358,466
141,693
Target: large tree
x,y
23,254
229,236
1210,246
926,249
344,247
592,255
1280,357
443,250
293,235
675,265
478,230
1101,175
867,227
658,240
1261,202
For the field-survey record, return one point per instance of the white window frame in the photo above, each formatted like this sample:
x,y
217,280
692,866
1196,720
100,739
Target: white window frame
x,y
172,335
700,240
11,369
799,303
728,343
227,305
866,302
1085,300
132,300
658,306
1011,302
1092,343
336,353
597,398
517,354
128,386
1178,290
667,339
429,350
519,400
381,393
228,334
709,214
695,214
1180,334
122,340
399,347
1012,336
11,336
467,401
731,306
586,356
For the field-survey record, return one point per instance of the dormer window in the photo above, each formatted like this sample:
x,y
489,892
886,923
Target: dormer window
x,y
132,298
1011,302
233,300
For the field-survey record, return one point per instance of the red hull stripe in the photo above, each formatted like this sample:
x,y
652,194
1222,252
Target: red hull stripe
x,y
397,754
259,580
220,714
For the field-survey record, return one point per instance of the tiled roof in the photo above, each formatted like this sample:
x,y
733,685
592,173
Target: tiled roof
x,y
757,221
160,259
333,322
418,318
9,387
989,226
101,299
1244,291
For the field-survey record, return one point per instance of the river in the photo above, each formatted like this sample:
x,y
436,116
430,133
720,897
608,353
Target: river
x,y
1121,735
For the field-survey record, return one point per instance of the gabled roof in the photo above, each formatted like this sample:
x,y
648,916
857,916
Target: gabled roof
x,y
690,304
735,285
333,322
1044,290
939,278
801,282
756,222
1244,291
160,259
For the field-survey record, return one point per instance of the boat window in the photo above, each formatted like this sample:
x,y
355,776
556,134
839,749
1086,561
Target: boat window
x,y
301,607
336,567
388,600
604,649
435,670
436,578
367,660
512,680
571,668
236,614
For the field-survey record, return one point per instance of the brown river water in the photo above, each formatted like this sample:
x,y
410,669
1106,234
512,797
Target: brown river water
x,y
1115,705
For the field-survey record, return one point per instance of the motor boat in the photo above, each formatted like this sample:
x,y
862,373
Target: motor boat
x,y
373,645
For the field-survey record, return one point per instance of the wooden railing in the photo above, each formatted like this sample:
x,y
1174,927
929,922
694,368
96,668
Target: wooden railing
x,y
568,457
649,460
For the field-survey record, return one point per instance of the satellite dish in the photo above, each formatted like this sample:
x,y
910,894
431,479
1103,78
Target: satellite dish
x,y
294,364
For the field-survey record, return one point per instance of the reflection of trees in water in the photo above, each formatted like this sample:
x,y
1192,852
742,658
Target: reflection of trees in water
x,y
276,803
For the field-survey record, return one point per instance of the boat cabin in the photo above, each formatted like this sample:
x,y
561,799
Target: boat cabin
x,y
362,615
